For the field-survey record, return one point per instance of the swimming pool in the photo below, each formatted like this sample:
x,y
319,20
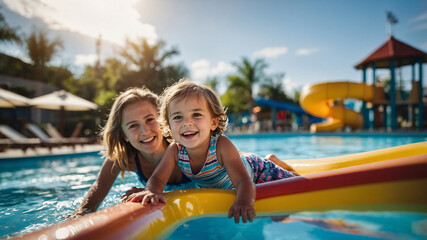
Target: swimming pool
x,y
41,191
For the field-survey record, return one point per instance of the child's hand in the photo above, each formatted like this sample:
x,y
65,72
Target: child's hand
x,y
146,197
244,209
130,192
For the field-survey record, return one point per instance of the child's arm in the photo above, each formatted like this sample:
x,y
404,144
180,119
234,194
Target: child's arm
x,y
157,182
245,188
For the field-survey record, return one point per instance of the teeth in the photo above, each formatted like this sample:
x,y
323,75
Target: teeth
x,y
188,133
148,140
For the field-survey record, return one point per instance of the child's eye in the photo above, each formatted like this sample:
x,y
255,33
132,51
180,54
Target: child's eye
x,y
150,120
197,114
176,118
132,126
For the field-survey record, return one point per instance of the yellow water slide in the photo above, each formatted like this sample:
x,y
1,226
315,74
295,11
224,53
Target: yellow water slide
x,y
325,100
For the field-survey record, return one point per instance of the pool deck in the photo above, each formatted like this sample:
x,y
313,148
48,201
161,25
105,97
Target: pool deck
x,y
40,152
89,148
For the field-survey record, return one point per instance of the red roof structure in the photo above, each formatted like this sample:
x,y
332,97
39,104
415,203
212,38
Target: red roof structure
x,y
393,49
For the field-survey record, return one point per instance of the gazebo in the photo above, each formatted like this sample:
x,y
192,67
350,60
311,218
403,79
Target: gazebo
x,y
392,54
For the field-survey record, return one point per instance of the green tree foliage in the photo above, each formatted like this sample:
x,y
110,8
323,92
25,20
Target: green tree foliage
x,y
237,95
147,66
297,94
240,85
174,73
212,82
7,34
58,76
15,67
273,89
98,83
11,66
41,50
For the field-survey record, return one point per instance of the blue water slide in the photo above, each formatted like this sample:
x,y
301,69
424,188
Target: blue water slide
x,y
296,109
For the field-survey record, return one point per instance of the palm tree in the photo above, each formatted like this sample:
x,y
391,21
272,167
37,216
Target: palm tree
x,y
236,97
41,50
212,82
248,74
7,34
273,89
149,61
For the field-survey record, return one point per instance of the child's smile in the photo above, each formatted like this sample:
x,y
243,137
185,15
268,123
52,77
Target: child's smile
x,y
189,134
191,122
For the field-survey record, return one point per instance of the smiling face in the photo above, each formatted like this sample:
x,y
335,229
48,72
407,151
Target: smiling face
x,y
141,129
191,122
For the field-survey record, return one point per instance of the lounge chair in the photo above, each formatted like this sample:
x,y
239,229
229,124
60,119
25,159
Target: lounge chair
x,y
17,139
5,144
44,138
53,132
77,130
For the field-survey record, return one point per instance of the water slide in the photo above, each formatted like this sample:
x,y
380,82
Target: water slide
x,y
390,179
318,100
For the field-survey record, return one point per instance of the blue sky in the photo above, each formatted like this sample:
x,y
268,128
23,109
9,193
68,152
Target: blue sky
x,y
310,41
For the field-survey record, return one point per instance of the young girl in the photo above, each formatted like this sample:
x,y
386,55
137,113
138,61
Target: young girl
x,y
193,115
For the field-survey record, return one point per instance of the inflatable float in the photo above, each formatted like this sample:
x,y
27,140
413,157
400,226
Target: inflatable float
x,y
318,99
392,179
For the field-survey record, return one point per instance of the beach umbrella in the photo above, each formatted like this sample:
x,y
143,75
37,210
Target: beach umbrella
x,y
10,99
62,101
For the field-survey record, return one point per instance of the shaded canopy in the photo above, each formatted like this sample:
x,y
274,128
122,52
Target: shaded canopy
x,y
62,100
10,99
393,49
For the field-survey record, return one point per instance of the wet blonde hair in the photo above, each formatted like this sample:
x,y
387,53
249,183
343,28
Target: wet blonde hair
x,y
185,89
117,148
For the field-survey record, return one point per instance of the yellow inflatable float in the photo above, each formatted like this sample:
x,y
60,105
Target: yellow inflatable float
x,y
382,180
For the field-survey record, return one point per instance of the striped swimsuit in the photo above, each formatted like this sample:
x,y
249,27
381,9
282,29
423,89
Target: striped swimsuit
x,y
214,175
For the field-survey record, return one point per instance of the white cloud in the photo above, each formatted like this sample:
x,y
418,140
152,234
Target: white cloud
x,y
422,26
271,52
290,86
113,20
222,68
306,51
202,69
419,18
83,60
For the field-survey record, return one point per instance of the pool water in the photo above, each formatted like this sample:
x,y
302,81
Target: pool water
x,y
309,225
38,192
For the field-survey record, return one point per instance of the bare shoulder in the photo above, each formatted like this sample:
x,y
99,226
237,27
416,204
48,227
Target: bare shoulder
x,y
225,148
171,152
172,148
224,143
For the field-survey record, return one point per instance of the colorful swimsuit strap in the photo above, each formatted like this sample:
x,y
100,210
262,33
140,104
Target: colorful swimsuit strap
x,y
212,174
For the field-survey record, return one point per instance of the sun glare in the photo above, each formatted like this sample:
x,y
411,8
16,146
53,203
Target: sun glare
x,y
113,20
